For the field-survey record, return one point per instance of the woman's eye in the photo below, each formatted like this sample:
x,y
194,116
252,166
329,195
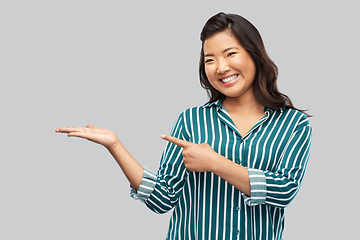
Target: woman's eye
x,y
230,54
208,60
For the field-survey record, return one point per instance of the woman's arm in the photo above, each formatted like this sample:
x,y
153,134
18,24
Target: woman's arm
x,y
131,168
233,173
202,158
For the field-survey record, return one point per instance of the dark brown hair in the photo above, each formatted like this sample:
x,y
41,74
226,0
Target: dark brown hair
x,y
249,38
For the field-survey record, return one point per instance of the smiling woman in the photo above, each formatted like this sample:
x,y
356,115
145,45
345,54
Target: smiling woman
x,y
249,39
228,67
232,165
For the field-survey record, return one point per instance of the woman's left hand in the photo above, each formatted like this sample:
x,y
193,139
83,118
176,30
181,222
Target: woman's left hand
x,y
197,157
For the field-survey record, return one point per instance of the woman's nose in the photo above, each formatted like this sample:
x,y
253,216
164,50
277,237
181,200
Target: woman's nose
x,y
222,67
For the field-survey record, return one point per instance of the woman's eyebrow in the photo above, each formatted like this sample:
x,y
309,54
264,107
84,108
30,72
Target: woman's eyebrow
x,y
225,50
230,48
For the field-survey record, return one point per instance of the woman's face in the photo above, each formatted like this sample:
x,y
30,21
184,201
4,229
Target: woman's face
x,y
228,66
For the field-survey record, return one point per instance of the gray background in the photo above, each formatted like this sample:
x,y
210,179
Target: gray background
x,y
133,67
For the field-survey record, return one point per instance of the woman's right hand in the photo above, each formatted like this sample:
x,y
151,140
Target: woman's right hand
x,y
131,168
93,133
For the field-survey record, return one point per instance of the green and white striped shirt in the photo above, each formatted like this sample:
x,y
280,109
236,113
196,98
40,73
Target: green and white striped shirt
x,y
275,151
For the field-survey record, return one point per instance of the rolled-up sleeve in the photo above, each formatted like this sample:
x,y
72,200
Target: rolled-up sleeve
x,y
146,187
279,187
258,188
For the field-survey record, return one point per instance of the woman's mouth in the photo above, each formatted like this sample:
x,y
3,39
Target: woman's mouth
x,y
229,80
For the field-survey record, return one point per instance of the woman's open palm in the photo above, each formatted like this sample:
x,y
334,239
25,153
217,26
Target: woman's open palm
x,y
92,133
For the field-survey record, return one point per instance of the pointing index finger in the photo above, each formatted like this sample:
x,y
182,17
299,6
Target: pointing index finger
x,y
176,141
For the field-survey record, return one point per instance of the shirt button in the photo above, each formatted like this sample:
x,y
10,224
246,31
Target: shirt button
x,y
237,208
237,232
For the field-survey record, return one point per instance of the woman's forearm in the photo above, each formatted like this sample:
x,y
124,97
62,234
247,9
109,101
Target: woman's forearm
x,y
128,164
233,173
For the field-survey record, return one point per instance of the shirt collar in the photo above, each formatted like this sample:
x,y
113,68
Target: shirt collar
x,y
271,111
218,104
267,110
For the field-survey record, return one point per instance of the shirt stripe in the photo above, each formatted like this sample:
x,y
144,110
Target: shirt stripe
x,y
275,151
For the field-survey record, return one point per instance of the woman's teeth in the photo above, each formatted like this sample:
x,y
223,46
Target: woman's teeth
x,y
228,79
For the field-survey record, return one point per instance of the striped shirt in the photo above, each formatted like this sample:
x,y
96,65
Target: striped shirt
x,y
275,152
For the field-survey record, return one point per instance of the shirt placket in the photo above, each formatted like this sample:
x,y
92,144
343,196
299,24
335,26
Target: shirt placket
x,y
247,140
226,119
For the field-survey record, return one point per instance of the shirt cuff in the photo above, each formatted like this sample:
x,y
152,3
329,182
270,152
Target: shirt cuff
x,y
258,188
146,187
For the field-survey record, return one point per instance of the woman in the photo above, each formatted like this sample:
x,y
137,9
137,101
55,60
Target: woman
x,y
231,166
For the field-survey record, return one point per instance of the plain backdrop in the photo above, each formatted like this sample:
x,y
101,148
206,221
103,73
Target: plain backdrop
x,y
132,67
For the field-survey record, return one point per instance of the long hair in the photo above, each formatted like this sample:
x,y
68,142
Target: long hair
x,y
265,80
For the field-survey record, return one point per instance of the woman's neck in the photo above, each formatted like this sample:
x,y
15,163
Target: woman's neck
x,y
243,105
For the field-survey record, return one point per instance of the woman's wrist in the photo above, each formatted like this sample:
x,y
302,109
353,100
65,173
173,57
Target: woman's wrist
x,y
216,163
115,146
